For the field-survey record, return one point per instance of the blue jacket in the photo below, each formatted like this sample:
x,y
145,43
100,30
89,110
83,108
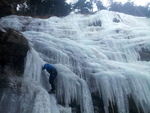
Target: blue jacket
x,y
50,69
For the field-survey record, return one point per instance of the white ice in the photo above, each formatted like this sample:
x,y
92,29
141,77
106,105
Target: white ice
x,y
103,58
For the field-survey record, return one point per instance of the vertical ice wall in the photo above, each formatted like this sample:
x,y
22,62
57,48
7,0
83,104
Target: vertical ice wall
x,y
92,53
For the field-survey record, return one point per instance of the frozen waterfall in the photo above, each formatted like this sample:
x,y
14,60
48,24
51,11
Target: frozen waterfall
x,y
93,53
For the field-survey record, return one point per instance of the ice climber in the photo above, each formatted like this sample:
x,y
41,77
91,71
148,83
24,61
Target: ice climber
x,y
53,73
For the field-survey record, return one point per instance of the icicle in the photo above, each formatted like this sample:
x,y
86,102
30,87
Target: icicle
x,y
71,88
88,51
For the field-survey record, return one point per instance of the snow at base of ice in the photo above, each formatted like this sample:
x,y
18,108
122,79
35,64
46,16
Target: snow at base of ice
x,y
92,53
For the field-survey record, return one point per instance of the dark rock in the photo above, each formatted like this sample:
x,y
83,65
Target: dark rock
x,y
74,106
4,81
97,23
132,106
99,105
145,55
13,50
116,20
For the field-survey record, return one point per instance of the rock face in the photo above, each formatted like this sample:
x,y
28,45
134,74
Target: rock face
x,y
13,50
99,106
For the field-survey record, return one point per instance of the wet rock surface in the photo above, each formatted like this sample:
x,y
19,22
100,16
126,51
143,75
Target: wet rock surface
x,y
13,50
